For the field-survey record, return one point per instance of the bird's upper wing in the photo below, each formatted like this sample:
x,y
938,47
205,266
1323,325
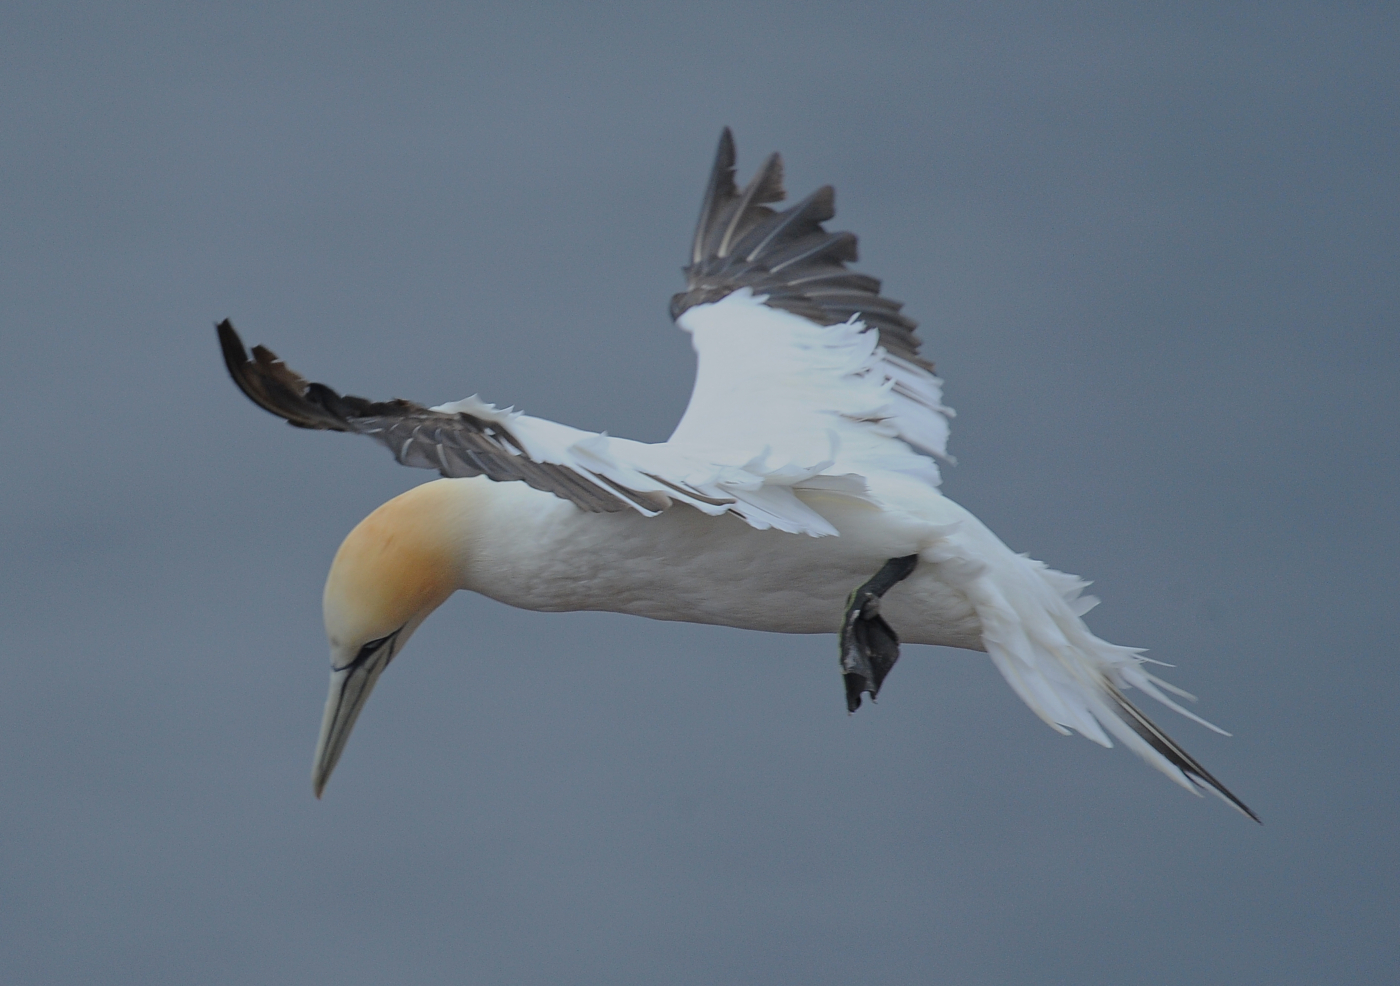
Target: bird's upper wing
x,y
598,473
801,360
808,379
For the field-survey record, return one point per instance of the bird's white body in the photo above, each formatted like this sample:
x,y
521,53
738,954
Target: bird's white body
x,y
532,550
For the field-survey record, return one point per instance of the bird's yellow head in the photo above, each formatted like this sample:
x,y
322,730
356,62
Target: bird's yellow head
x,y
398,565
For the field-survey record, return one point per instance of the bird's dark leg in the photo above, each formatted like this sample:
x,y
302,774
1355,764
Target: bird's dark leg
x,y
869,646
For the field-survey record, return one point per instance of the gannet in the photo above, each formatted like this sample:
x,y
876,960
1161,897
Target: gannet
x,y
798,494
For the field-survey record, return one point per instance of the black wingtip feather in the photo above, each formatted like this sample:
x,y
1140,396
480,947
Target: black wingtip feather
x,y
803,219
740,242
719,190
276,388
747,212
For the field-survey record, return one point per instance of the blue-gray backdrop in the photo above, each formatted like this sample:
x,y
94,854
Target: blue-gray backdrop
x,y
1153,250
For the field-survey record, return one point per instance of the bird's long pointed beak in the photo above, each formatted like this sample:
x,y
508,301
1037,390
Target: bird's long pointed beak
x,y
350,689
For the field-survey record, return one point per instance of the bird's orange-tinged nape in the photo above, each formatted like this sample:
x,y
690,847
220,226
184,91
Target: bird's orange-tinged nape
x,y
398,565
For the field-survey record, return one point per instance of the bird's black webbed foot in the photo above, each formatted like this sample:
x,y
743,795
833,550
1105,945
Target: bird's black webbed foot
x,y
869,645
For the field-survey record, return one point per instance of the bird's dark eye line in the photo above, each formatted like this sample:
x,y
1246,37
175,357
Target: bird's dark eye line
x,y
369,650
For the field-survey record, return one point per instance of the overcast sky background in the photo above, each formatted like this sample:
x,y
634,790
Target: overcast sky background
x,y
1154,255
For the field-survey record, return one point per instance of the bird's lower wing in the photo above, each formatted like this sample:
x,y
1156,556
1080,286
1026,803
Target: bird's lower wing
x,y
597,473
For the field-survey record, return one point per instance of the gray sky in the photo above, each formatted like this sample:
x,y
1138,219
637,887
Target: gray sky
x,y
1154,256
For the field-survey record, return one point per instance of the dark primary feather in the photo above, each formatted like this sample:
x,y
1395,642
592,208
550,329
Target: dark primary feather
x,y
455,444
788,256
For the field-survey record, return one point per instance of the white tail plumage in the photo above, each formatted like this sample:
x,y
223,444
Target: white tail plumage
x,y
1032,631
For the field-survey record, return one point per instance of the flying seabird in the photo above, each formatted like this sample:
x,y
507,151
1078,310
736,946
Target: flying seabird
x,y
798,494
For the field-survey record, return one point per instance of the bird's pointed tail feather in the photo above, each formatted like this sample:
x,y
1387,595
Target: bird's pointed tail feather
x,y
1070,678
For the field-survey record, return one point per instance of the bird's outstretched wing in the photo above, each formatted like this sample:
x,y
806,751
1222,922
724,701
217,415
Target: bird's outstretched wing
x,y
799,356
596,472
